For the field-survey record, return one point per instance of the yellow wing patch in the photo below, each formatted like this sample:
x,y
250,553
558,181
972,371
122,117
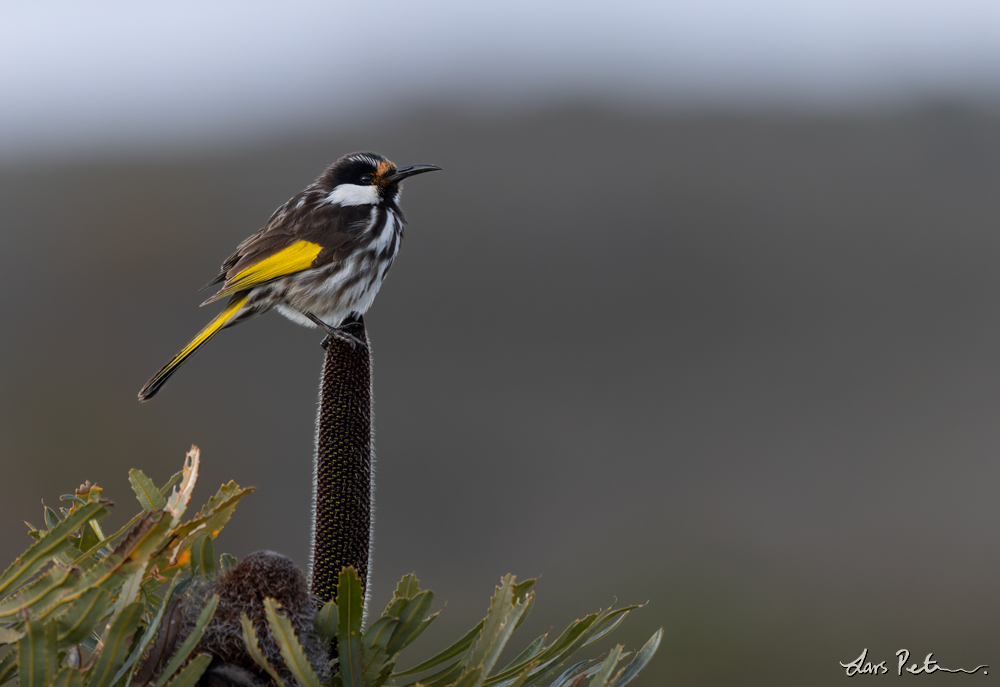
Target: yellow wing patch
x,y
295,258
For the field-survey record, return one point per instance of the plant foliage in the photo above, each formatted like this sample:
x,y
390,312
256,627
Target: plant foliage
x,y
82,609
79,607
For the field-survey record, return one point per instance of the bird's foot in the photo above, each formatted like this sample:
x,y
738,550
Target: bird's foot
x,y
333,334
337,333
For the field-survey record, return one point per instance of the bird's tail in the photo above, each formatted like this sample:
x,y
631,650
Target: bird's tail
x,y
158,380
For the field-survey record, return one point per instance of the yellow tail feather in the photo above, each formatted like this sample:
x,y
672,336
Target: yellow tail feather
x,y
154,384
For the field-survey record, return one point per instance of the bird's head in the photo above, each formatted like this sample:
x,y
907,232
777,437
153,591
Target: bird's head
x,y
367,179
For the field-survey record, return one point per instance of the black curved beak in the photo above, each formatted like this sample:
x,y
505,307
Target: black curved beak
x,y
403,172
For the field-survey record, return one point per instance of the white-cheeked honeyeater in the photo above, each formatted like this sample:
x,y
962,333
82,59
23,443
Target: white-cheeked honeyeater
x,y
319,260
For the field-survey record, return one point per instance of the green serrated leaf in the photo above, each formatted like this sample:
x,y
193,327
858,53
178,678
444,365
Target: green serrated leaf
x,y
33,532
113,647
68,677
211,521
68,557
443,677
326,622
51,651
629,672
521,679
253,648
190,642
36,595
291,651
128,668
80,618
51,519
503,634
52,544
407,588
8,635
350,600
542,674
376,663
96,526
203,555
572,681
379,632
149,496
552,657
506,608
128,525
174,479
71,592
132,554
382,677
91,537
8,666
31,658
537,673
453,651
600,679
606,623
149,587
226,492
470,678
521,589
226,561
411,622
191,673
580,634
529,652
499,602
571,673
524,616
129,591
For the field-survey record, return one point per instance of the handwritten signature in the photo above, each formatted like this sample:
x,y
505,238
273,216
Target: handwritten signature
x,y
862,666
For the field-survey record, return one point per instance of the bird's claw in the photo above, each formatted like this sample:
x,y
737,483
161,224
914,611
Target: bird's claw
x,y
340,334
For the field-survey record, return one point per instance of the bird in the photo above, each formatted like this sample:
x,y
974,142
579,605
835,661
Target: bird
x,y
319,260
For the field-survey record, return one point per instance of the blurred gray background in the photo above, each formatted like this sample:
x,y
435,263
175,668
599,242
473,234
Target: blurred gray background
x,y
702,311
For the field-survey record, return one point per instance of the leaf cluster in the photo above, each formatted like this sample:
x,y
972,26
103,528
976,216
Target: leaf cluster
x,y
82,609
79,608
368,656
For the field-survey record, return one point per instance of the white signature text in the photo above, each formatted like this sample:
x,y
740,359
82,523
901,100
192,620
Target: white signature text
x,y
862,666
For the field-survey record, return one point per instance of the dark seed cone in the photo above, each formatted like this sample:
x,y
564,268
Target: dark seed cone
x,y
343,467
241,589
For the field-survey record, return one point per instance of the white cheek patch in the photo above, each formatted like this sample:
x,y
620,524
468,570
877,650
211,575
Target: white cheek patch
x,y
352,194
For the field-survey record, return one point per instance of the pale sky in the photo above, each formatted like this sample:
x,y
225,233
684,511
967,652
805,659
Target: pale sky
x,y
80,77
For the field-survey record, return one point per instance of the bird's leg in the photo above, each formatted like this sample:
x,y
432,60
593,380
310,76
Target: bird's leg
x,y
335,333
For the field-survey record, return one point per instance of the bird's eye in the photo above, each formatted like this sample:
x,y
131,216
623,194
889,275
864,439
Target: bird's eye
x,y
367,178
